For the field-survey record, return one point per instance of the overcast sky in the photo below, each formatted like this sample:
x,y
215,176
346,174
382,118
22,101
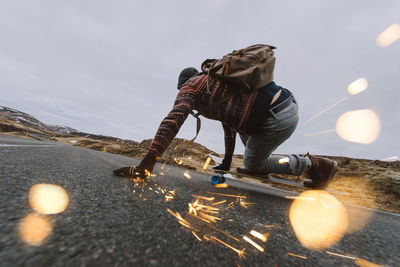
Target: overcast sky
x,y
111,67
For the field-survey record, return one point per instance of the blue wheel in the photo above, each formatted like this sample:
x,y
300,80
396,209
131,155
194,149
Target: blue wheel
x,y
215,179
222,180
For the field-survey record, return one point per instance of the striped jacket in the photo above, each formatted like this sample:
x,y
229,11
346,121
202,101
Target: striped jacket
x,y
196,95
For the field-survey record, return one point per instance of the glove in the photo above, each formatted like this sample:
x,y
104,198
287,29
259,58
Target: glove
x,y
142,171
225,165
131,172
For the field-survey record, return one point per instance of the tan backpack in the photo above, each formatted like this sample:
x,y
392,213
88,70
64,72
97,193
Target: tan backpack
x,y
245,69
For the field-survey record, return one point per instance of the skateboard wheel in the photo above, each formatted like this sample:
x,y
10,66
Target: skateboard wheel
x,y
222,180
215,179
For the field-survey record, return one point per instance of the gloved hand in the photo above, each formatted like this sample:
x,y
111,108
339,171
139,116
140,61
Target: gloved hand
x,y
225,165
131,172
143,170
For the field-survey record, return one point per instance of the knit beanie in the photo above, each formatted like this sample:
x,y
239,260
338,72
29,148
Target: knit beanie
x,y
185,75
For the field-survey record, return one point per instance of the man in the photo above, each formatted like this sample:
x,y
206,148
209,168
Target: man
x,y
264,118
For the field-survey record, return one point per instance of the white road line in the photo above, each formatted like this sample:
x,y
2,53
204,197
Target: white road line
x,y
15,145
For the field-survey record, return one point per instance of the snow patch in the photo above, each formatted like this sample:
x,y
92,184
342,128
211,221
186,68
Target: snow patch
x,y
73,141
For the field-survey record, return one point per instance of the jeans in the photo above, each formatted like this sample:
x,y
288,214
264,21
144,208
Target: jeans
x,y
273,131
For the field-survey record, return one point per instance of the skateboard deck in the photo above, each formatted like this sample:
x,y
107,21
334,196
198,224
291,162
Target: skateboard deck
x,y
219,177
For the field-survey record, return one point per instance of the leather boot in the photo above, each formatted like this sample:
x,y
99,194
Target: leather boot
x,y
321,172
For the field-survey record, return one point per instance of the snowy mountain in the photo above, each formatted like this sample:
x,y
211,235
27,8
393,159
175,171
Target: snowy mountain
x,y
31,122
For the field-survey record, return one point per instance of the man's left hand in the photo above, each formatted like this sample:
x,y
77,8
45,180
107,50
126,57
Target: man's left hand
x,y
131,172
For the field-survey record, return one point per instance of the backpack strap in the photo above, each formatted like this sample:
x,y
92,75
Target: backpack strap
x,y
198,123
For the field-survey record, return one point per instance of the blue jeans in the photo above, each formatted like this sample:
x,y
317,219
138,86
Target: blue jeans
x,y
273,131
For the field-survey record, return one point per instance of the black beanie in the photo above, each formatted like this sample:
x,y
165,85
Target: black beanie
x,y
185,75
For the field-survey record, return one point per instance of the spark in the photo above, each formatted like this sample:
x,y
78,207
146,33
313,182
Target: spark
x,y
244,204
213,218
254,244
162,167
365,263
208,160
192,210
168,198
195,235
178,162
187,175
217,203
269,226
226,195
239,252
224,185
176,215
206,237
340,255
176,147
205,198
211,211
262,237
230,205
298,256
223,232
200,218
161,173
187,225
200,206
323,111
321,132
172,192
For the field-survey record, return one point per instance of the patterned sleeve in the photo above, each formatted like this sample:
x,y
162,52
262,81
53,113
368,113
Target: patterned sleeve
x,y
230,139
171,124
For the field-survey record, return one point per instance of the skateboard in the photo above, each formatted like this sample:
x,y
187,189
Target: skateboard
x,y
219,178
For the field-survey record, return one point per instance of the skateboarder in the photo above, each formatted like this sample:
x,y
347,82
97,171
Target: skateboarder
x,y
264,119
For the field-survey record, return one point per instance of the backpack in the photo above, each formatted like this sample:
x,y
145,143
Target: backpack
x,y
245,69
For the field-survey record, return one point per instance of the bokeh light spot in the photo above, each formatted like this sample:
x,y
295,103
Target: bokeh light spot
x,y
48,198
34,229
357,86
389,36
360,126
318,219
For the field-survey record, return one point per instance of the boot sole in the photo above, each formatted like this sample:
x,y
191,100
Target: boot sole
x,y
326,183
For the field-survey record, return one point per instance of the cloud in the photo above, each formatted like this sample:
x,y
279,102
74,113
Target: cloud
x,y
112,69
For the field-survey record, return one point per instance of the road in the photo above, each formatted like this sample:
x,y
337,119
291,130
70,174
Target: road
x,y
108,222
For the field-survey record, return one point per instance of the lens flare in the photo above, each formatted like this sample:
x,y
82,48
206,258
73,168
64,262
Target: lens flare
x,y
359,126
318,223
48,198
34,228
205,166
357,86
284,160
389,36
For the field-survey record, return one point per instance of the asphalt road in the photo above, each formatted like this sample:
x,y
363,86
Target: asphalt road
x,y
109,223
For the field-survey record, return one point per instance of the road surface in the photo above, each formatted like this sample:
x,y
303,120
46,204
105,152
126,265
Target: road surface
x,y
108,222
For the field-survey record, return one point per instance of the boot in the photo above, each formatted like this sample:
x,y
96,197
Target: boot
x,y
321,172
243,170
